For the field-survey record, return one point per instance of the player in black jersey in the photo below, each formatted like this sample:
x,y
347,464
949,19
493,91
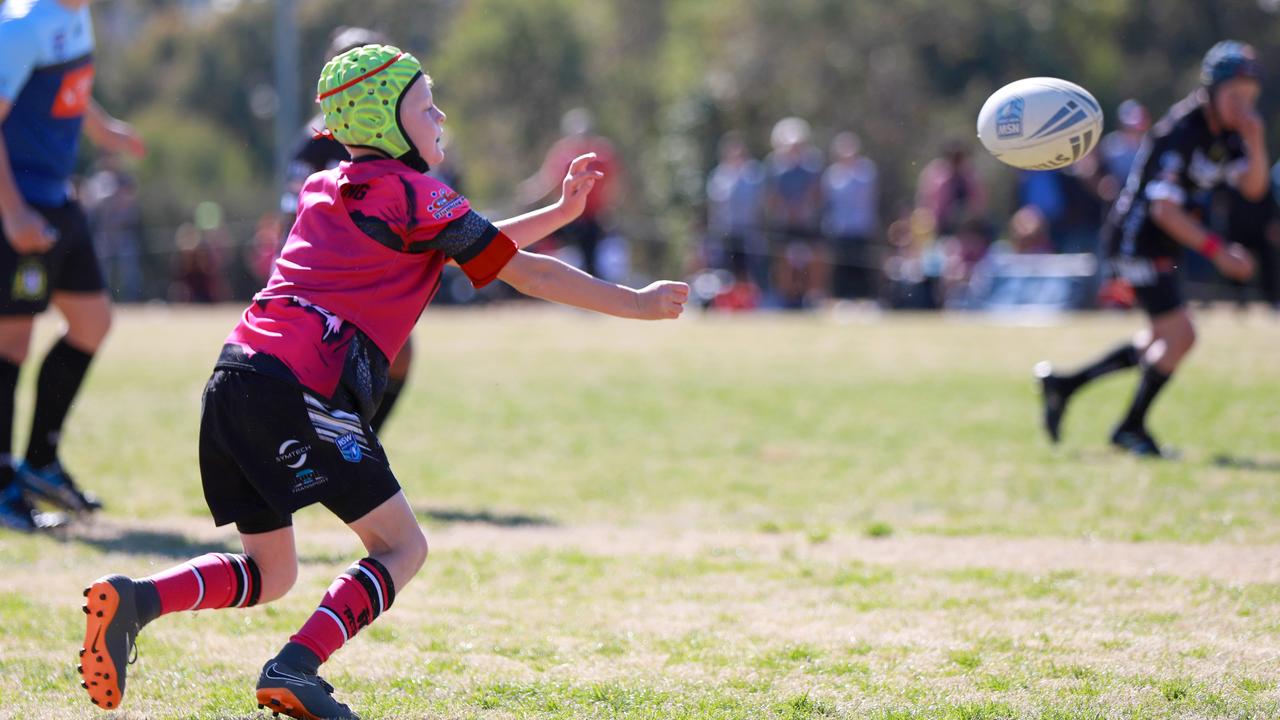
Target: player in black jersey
x,y
1213,136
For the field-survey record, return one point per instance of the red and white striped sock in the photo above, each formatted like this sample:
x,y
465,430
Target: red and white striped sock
x,y
216,580
355,599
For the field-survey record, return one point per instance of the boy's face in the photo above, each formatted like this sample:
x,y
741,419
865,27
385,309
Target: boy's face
x,y
422,121
1234,99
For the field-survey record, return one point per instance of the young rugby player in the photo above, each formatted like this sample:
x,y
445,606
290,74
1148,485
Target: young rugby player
x,y
318,151
46,254
285,421
1214,135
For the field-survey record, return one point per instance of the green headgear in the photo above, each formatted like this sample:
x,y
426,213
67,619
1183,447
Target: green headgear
x,y
359,94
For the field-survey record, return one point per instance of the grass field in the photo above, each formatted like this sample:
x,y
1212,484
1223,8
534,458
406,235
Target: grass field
x,y
775,517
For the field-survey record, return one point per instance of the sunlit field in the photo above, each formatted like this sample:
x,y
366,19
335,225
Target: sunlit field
x,y
839,515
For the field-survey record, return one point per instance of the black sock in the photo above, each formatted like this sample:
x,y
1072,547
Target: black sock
x,y
1124,356
389,397
1153,381
299,657
60,376
148,600
8,386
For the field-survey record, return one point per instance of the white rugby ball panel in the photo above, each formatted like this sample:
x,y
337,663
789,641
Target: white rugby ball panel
x,y
1040,123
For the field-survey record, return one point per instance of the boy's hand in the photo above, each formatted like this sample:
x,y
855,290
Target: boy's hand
x,y
126,139
27,232
577,184
1252,130
1235,262
662,300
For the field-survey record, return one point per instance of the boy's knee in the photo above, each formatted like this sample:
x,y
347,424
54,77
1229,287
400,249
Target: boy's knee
x,y
277,580
88,332
416,549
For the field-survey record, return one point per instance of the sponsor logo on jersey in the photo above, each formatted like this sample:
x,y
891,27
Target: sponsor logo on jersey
x,y
74,93
1206,172
443,203
349,446
1009,119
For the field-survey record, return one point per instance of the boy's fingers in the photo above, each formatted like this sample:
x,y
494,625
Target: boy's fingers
x,y
581,162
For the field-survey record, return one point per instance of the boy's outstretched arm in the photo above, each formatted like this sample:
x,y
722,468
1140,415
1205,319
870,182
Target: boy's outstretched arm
x,y
545,277
531,227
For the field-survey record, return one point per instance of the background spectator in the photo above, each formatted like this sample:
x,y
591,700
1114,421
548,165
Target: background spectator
x,y
793,209
950,190
578,138
734,240
1119,147
851,194
1070,201
111,202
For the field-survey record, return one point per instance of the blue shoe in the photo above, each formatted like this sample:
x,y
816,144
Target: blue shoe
x,y
55,485
16,512
1137,441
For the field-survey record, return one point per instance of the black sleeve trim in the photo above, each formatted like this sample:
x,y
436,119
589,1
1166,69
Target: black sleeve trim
x,y
463,239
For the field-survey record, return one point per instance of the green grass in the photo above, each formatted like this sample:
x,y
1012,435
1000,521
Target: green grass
x,y
771,517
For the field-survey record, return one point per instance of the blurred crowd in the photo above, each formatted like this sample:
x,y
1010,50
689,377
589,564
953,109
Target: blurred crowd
x,y
799,228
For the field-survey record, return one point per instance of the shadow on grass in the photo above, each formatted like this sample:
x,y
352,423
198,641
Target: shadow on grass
x,y
146,542
1236,462
449,515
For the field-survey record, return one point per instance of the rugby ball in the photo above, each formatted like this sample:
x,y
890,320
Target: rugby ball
x,y
1040,123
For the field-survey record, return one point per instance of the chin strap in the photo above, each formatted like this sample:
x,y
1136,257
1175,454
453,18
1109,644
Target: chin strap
x,y
414,160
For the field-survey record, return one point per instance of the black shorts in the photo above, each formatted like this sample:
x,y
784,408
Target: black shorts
x,y
1156,284
1162,296
269,448
71,265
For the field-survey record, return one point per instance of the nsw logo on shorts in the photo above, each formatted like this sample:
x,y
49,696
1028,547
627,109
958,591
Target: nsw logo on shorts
x,y
1009,119
349,446
30,281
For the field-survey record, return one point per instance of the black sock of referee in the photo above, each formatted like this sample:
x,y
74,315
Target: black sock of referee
x,y
1152,382
60,376
1120,358
8,385
389,398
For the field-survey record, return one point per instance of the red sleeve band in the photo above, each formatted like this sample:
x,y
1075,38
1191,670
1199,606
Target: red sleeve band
x,y
484,267
1211,246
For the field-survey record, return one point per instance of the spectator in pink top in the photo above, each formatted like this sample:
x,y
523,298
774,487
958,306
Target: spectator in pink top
x,y
579,138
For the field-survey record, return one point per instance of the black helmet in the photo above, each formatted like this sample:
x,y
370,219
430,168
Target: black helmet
x,y
1227,60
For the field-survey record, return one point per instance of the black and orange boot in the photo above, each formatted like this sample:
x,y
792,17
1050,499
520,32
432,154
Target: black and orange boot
x,y
285,690
111,612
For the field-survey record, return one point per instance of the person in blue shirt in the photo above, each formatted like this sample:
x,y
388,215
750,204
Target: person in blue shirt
x,y
46,254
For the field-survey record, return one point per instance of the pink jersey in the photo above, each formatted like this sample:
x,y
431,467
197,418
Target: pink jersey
x,y
362,261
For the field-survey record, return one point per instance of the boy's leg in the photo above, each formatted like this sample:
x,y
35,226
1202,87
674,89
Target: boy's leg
x,y
117,607
289,682
16,512
1056,390
1173,336
88,316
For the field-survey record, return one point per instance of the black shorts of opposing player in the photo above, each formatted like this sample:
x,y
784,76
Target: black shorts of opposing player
x,y
26,281
268,448
1157,287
